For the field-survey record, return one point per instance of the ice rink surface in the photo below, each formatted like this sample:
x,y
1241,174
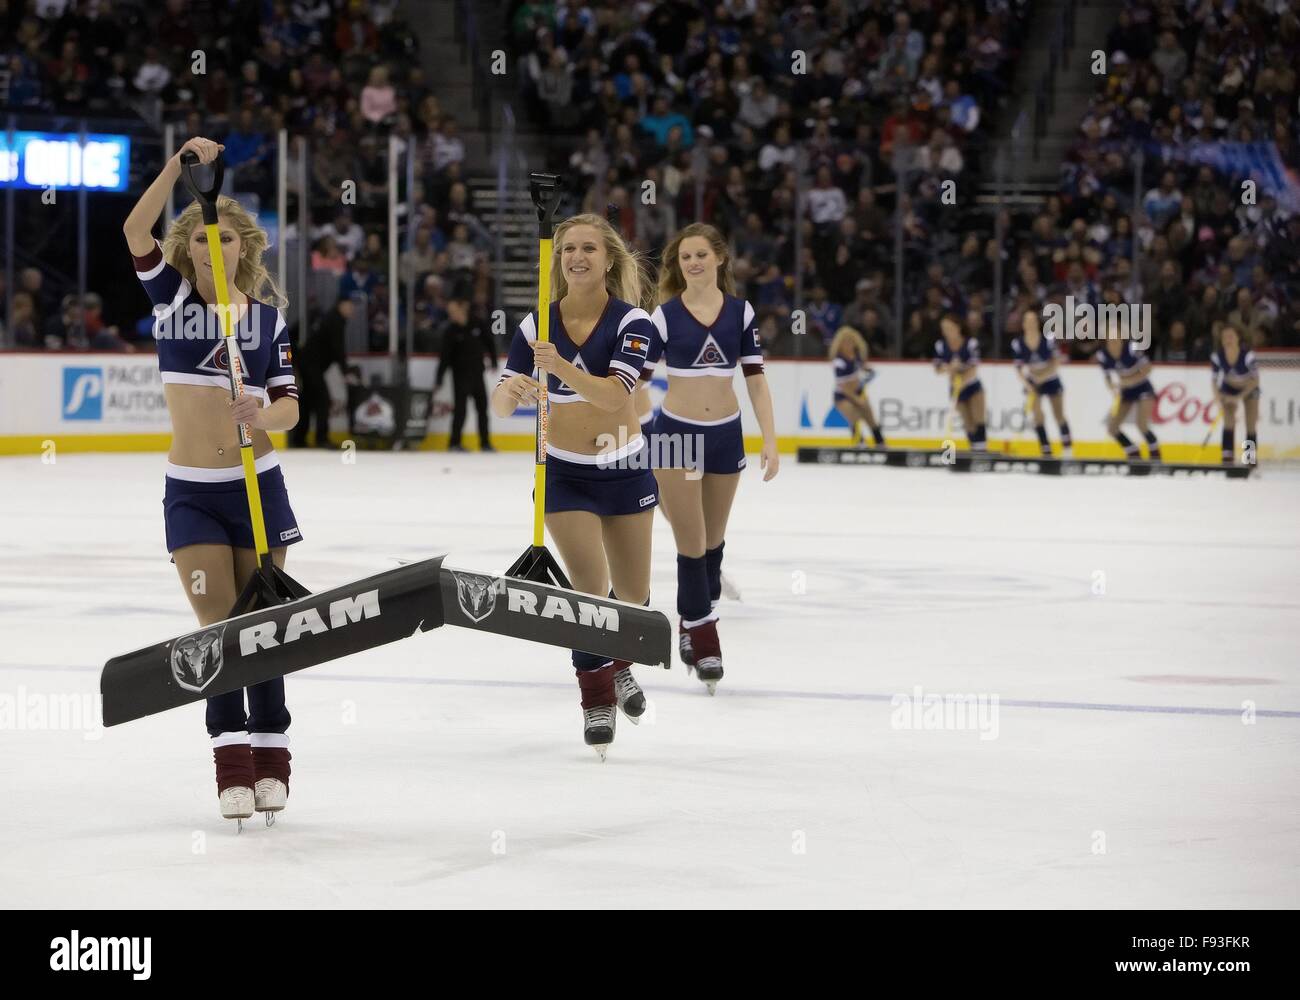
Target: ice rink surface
x,y
1139,637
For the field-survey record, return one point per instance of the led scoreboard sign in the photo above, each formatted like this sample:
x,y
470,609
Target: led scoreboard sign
x,y
57,159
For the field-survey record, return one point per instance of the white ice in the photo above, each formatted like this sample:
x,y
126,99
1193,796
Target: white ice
x,y
1140,637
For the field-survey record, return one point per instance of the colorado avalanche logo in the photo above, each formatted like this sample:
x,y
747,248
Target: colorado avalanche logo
x,y
476,594
216,362
197,658
710,354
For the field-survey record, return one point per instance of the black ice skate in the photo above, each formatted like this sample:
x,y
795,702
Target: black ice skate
x,y
631,699
598,727
706,654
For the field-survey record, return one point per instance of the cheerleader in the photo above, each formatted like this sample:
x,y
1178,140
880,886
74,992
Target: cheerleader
x,y
848,356
957,355
703,331
1236,380
600,499
1036,365
205,506
1127,372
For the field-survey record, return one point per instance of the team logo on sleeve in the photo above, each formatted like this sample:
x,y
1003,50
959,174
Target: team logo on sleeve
x,y
197,658
476,594
636,343
710,354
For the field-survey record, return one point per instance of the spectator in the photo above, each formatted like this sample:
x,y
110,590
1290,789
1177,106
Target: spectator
x,y
326,256
378,98
346,234
447,145
663,120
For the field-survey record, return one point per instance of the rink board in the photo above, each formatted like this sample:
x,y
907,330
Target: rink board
x,y
114,402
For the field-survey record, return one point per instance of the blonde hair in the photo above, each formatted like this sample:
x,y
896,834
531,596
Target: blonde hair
x,y
251,276
848,335
624,280
671,280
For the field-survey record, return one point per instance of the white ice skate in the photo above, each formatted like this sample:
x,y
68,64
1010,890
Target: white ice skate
x,y
271,795
237,803
729,589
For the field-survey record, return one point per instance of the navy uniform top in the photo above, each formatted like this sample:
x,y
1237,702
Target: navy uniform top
x,y
617,345
968,354
692,349
848,373
1129,363
1038,361
191,346
1234,376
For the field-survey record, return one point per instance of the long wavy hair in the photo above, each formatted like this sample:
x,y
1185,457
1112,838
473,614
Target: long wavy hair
x,y
251,276
847,335
625,280
671,280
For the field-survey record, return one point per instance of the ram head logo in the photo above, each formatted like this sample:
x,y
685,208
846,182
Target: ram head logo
x,y
477,594
196,658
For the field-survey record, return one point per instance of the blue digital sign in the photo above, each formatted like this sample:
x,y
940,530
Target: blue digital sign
x,y
39,160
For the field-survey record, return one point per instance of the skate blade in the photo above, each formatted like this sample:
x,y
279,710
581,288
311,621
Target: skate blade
x,y
602,749
712,686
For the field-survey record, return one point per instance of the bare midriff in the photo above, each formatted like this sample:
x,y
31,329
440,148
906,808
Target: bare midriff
x,y
588,430
203,435
703,397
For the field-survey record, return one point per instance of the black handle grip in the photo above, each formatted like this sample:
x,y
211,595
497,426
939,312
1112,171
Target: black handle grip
x,y
545,190
207,198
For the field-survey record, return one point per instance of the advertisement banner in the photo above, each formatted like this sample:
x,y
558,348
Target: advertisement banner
x,y
115,402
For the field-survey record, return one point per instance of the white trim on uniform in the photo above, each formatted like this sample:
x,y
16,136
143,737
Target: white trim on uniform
x,y
624,367
636,312
698,372
153,272
229,739
226,474
269,739
219,381
182,293
700,423
608,458
660,323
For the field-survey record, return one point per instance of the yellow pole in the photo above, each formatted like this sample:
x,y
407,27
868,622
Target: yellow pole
x,y
543,335
237,390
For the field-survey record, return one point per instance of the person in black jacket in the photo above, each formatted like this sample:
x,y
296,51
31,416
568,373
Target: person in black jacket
x,y
464,342
323,348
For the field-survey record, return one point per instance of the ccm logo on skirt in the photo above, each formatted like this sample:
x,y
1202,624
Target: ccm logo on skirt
x,y
286,535
647,501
